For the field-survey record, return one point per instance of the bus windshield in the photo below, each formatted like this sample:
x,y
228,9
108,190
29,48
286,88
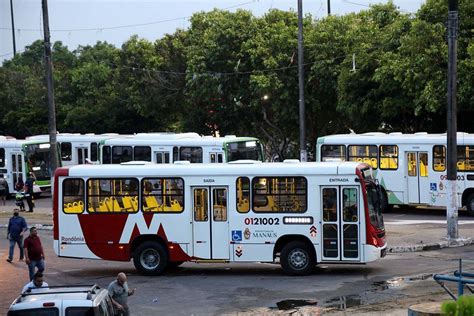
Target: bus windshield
x,y
38,160
375,205
244,150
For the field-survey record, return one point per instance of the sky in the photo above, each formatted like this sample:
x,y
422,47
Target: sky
x,y
84,22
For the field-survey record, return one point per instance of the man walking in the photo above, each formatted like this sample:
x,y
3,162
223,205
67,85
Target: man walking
x,y
34,255
119,292
16,228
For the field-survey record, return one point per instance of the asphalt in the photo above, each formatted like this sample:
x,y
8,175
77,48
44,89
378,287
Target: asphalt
x,y
402,235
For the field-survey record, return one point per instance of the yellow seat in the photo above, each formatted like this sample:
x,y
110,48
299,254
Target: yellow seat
x,y
151,204
128,203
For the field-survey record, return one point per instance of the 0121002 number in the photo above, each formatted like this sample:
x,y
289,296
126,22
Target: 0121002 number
x,y
262,221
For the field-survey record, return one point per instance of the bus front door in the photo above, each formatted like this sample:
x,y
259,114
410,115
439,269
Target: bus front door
x,y
340,223
210,223
418,186
17,170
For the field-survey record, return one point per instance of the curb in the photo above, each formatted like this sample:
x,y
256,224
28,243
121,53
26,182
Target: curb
x,y
433,246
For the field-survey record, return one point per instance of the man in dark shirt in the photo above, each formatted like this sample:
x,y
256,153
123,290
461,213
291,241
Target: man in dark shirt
x,y
16,228
29,191
34,255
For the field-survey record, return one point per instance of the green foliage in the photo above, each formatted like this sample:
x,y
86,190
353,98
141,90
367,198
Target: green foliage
x,y
234,73
464,306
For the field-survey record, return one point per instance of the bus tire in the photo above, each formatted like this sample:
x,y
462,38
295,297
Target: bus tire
x,y
470,204
150,258
297,258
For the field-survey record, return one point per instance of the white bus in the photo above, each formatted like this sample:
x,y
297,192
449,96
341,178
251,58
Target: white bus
x,y
20,157
162,215
170,147
77,149
411,168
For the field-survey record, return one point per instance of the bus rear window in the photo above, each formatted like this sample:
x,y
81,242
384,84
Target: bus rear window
x,y
333,153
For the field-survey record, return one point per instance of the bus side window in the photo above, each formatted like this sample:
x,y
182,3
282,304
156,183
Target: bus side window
x,y
439,158
73,196
243,194
388,157
333,153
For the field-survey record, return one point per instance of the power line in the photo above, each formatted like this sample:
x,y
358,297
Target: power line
x,y
128,25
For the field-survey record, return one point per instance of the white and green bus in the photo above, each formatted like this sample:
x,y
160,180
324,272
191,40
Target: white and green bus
x,y
170,147
410,167
20,157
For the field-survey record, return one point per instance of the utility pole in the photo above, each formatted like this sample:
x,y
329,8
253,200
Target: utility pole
x,y
53,152
13,28
329,7
303,153
451,194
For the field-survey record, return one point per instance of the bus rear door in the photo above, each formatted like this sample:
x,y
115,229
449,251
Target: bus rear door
x,y
210,223
418,186
340,222
17,169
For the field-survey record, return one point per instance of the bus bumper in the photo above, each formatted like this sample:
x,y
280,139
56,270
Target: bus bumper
x,y
372,253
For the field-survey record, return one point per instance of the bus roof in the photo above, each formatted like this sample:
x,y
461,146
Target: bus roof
x,y
187,169
393,138
173,141
13,143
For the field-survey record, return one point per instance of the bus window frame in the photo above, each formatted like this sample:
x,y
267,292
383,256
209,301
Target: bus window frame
x,y
344,157
349,156
141,195
443,158
389,157
84,195
115,195
278,211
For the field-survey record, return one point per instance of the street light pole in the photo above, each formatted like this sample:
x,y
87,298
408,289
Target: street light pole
x,y
13,28
451,194
50,88
303,153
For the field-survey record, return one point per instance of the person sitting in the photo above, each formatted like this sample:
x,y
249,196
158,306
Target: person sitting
x,y
37,282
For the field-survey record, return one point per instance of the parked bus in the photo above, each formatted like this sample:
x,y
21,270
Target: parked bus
x,y
410,167
162,215
20,157
77,149
170,147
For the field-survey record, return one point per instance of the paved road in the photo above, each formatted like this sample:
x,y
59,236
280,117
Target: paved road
x,y
202,289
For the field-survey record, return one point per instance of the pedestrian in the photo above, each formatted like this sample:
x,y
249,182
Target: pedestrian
x,y
37,282
16,228
28,189
119,292
3,188
34,255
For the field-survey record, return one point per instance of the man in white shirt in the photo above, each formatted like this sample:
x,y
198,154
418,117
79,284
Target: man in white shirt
x,y
37,282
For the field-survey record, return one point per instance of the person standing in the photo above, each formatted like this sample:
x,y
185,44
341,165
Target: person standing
x,y
34,255
3,188
36,283
16,228
119,292
28,189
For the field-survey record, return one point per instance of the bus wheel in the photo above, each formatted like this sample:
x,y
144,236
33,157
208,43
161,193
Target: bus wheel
x,y
297,258
470,204
150,258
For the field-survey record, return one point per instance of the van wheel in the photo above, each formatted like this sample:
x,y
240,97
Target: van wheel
x,y
470,204
150,258
297,258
